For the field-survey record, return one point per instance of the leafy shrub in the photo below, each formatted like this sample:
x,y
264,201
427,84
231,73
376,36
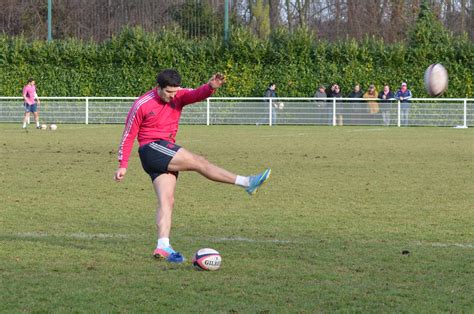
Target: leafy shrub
x,y
127,64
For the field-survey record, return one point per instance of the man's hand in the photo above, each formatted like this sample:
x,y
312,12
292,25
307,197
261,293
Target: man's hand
x,y
217,80
120,174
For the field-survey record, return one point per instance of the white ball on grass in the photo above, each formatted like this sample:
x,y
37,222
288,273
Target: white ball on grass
x,y
207,259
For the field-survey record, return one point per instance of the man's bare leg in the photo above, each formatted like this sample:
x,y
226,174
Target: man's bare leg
x,y
165,186
184,160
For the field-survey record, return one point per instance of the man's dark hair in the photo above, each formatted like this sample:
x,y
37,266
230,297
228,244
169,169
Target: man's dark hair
x,y
30,80
271,84
168,77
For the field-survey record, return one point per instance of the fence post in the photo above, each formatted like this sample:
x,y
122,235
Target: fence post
x,y
465,113
87,110
398,114
334,112
208,111
270,112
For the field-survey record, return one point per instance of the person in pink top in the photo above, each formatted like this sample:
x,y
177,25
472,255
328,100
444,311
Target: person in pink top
x,y
31,102
154,120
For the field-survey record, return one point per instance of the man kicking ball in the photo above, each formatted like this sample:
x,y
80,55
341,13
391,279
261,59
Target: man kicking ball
x,y
154,118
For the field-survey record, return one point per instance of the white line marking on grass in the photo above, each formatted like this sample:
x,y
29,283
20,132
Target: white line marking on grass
x,y
240,239
82,235
79,235
100,126
283,135
439,244
368,130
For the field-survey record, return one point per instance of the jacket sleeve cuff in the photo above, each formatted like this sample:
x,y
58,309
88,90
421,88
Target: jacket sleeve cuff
x,y
210,88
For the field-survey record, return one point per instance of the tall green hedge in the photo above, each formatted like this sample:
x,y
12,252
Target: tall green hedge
x,y
127,64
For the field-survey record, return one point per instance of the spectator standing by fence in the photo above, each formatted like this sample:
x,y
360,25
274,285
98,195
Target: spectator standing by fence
x,y
386,99
404,96
356,108
356,92
336,93
31,102
270,93
320,93
371,93
322,106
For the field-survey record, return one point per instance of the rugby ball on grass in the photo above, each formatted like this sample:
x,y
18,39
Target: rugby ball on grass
x,y
207,259
436,79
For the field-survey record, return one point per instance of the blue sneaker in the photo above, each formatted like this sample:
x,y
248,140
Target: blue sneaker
x,y
257,181
168,254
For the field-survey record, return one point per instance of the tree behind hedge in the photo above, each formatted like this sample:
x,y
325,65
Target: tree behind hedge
x,y
127,64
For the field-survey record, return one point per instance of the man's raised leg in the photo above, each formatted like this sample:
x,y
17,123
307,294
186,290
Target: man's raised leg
x,y
184,160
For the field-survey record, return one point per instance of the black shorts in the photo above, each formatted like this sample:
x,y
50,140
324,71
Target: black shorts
x,y
156,156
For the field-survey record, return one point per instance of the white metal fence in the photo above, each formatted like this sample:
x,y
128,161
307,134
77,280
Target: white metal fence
x,y
256,110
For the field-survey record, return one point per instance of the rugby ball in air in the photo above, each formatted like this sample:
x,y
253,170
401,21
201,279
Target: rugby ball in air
x,y
207,259
53,127
436,79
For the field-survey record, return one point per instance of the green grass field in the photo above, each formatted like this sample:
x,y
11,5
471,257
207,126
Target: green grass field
x,y
325,234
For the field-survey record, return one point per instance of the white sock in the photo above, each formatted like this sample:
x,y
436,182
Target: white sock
x,y
24,124
37,123
163,242
242,181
